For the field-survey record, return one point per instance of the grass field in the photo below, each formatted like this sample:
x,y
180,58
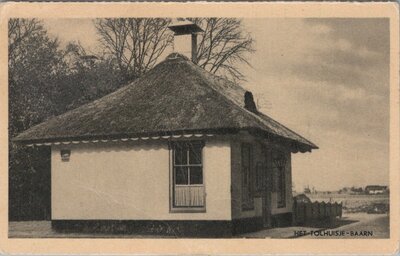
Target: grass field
x,y
356,203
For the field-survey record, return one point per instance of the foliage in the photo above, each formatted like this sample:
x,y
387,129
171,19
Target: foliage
x,y
88,77
35,64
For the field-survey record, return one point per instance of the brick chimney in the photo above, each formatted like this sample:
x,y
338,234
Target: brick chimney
x,y
185,38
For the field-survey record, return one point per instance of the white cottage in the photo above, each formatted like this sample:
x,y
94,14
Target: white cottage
x,y
178,151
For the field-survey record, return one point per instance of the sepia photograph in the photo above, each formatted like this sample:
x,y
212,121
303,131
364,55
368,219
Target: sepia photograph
x,y
192,127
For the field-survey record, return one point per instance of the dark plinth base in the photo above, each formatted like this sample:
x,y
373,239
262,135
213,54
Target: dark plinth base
x,y
247,225
193,228
282,220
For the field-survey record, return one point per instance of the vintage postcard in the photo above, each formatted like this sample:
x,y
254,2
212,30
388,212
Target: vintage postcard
x,y
199,128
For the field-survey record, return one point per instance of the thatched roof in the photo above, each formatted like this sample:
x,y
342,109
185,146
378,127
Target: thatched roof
x,y
176,96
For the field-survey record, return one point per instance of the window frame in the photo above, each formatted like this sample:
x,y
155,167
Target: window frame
x,y
172,184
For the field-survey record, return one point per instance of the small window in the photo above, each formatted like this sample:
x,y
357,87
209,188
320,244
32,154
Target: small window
x,y
188,182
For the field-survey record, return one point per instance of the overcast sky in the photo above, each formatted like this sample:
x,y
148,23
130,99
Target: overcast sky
x,y
327,79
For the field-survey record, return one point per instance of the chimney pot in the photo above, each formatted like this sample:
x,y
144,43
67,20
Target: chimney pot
x,y
185,38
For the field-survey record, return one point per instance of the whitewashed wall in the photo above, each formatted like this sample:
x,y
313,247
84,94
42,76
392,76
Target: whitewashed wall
x,y
131,181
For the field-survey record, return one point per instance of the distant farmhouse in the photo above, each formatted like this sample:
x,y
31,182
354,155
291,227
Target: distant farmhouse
x,y
178,151
375,189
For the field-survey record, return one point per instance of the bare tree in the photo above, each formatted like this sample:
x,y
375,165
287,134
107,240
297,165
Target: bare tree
x,y
138,43
222,46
